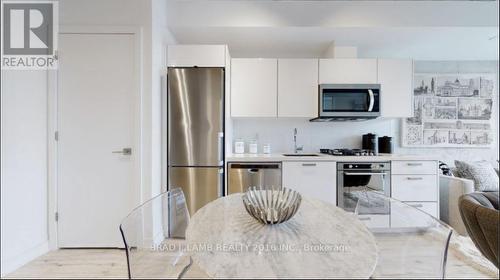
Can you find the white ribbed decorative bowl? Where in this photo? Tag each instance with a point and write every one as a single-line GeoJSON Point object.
{"type": "Point", "coordinates": [271, 205]}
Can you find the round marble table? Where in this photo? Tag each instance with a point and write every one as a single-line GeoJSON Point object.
{"type": "Point", "coordinates": [320, 241]}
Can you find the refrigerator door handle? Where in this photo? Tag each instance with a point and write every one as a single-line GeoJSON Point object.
{"type": "Point", "coordinates": [220, 144]}
{"type": "Point", "coordinates": [221, 182]}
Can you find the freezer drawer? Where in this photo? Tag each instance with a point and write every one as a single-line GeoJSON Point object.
{"type": "Point", "coordinates": [201, 185]}
{"type": "Point", "coordinates": [244, 175]}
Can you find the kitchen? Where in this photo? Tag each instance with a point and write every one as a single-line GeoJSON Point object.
{"type": "Point", "coordinates": [165, 124]}
{"type": "Point", "coordinates": [310, 90]}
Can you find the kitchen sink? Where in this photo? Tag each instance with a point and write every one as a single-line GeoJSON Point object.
{"type": "Point", "coordinates": [300, 155]}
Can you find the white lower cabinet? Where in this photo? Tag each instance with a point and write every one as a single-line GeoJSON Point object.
{"type": "Point", "coordinates": [414, 167]}
{"type": "Point", "coordinates": [416, 184]}
{"type": "Point", "coordinates": [428, 207]}
{"type": "Point", "coordinates": [415, 187]}
{"type": "Point", "coordinates": [375, 221]}
{"type": "Point", "coordinates": [403, 216]}
{"type": "Point", "coordinates": [312, 179]}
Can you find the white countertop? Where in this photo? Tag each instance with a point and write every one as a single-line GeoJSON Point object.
{"type": "Point", "coordinates": [322, 157]}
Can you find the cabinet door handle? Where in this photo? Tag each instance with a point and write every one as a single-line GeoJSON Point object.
{"type": "Point", "coordinates": [364, 218]}
{"type": "Point", "coordinates": [414, 178]}
{"type": "Point", "coordinates": [309, 164]}
{"type": "Point", "coordinates": [124, 151]}
{"type": "Point", "coordinates": [416, 205]}
{"type": "Point", "coordinates": [415, 164]}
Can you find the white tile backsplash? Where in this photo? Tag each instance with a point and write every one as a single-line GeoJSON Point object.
{"type": "Point", "coordinates": [312, 135]}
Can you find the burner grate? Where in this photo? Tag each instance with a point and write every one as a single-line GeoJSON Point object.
{"type": "Point", "coordinates": [347, 152]}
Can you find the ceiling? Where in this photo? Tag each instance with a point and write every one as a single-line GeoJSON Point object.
{"type": "Point", "coordinates": [433, 30]}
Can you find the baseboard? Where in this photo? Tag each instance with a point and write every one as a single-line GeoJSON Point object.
{"type": "Point", "coordinates": [16, 262]}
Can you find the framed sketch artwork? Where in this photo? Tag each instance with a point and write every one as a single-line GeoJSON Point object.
{"type": "Point", "coordinates": [451, 111]}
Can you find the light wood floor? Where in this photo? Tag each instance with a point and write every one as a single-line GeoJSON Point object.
{"type": "Point", "coordinates": [111, 263]}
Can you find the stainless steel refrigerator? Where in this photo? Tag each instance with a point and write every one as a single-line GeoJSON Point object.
{"type": "Point", "coordinates": [196, 133]}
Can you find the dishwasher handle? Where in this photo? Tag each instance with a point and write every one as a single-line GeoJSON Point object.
{"type": "Point", "coordinates": [253, 167]}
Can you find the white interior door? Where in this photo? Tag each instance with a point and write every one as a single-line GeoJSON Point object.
{"type": "Point", "coordinates": [97, 98]}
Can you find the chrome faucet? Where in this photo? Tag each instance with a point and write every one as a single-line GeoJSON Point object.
{"type": "Point", "coordinates": [296, 148]}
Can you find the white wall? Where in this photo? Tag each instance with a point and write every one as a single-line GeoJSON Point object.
{"type": "Point", "coordinates": [279, 132]}
{"type": "Point", "coordinates": [24, 167]}
{"type": "Point", "coordinates": [161, 38]}
{"type": "Point", "coordinates": [24, 124]}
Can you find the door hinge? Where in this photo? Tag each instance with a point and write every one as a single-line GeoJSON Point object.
{"type": "Point", "coordinates": [56, 216]}
{"type": "Point", "coordinates": [56, 135]}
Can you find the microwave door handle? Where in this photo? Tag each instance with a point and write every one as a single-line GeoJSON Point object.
{"type": "Point", "coordinates": [372, 100]}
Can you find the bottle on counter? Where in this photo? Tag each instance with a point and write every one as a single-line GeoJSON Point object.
{"type": "Point", "coordinates": [266, 148]}
{"type": "Point", "coordinates": [239, 146]}
{"type": "Point", "coordinates": [253, 147]}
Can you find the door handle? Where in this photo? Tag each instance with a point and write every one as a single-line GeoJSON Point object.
{"type": "Point", "coordinates": [414, 178]}
{"type": "Point", "coordinates": [220, 147]}
{"type": "Point", "coordinates": [416, 205]}
{"type": "Point", "coordinates": [372, 100]}
{"type": "Point", "coordinates": [220, 185]}
{"type": "Point", "coordinates": [124, 151]}
{"type": "Point", "coordinates": [364, 173]}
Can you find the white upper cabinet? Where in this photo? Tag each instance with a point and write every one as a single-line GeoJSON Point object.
{"type": "Point", "coordinates": [396, 78]}
{"type": "Point", "coordinates": [196, 55]}
{"type": "Point", "coordinates": [298, 88]}
{"type": "Point", "coordinates": [254, 90]}
{"type": "Point", "coordinates": [347, 71]}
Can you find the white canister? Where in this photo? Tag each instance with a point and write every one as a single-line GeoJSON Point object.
{"type": "Point", "coordinates": [253, 147]}
{"type": "Point", "coordinates": [266, 148]}
{"type": "Point", "coordinates": [239, 147]}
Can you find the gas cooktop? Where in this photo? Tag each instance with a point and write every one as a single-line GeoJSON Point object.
{"type": "Point", "coordinates": [347, 152]}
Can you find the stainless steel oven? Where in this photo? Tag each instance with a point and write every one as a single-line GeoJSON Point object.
{"type": "Point", "coordinates": [355, 179]}
{"type": "Point", "coordinates": [348, 102]}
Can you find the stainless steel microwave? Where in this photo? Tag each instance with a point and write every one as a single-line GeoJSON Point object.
{"type": "Point", "coordinates": [348, 102]}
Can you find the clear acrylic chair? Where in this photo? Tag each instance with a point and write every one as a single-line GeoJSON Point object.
{"type": "Point", "coordinates": [411, 243]}
{"type": "Point", "coordinates": [154, 235]}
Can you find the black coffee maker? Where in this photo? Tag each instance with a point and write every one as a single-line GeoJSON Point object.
{"type": "Point", "coordinates": [370, 142]}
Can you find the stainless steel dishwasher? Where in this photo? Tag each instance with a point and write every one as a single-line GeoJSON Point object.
{"type": "Point", "coordinates": [247, 174]}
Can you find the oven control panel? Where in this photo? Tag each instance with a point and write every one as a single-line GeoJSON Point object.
{"type": "Point", "coordinates": [372, 166]}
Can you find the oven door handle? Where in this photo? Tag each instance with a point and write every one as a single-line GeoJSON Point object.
{"type": "Point", "coordinates": [372, 100]}
{"type": "Point", "coordinates": [365, 173]}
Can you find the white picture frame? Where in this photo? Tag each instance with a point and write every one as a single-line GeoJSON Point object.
{"type": "Point", "coordinates": [451, 111]}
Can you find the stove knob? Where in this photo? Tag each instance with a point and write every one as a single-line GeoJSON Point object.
{"type": "Point", "coordinates": [350, 165]}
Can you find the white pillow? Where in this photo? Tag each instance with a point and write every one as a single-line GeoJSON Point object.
{"type": "Point", "coordinates": [481, 172]}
